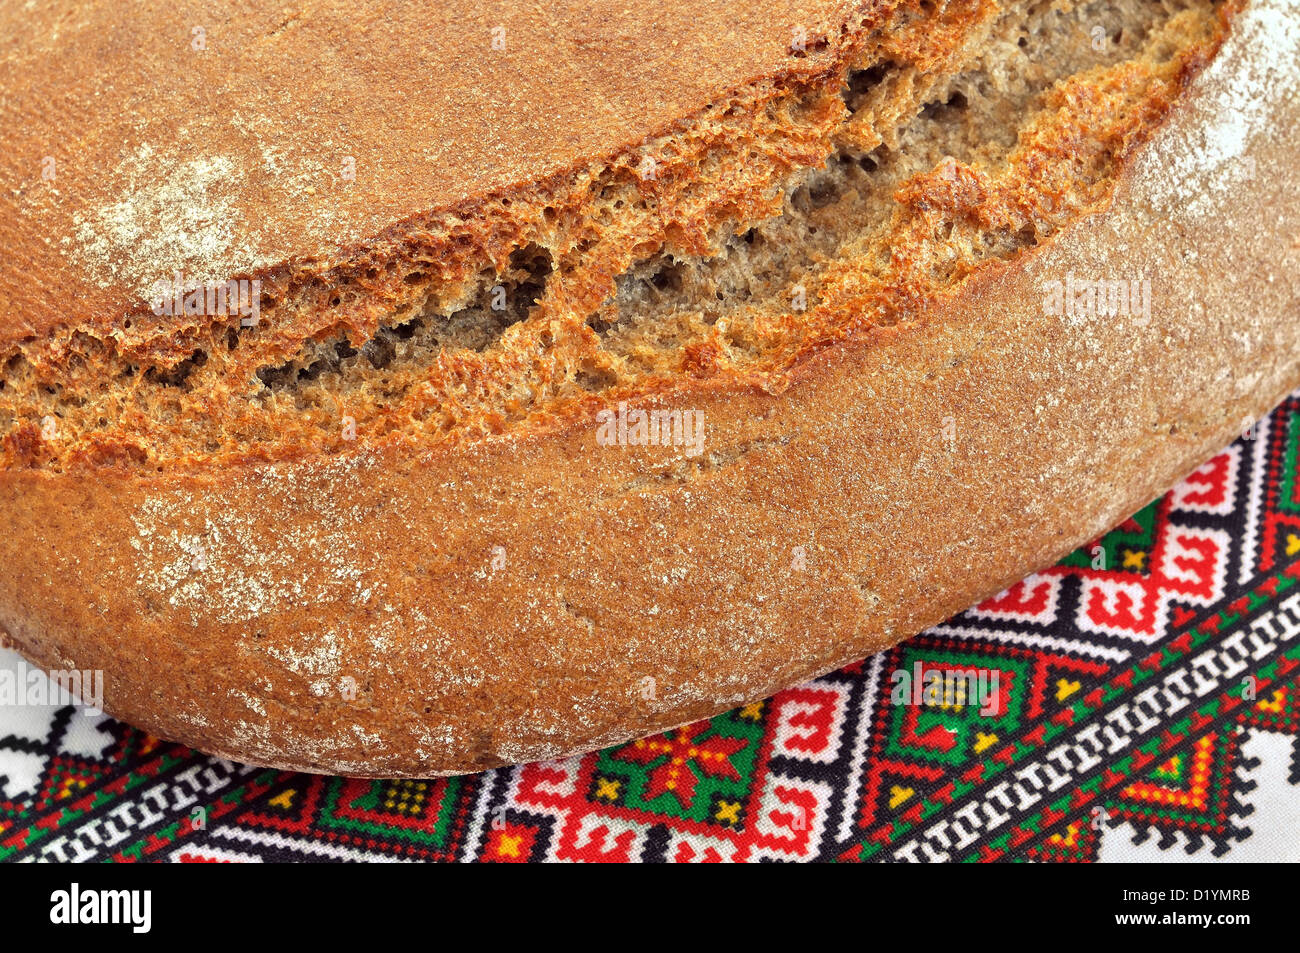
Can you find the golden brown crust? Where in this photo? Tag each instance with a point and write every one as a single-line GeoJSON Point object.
{"type": "Point", "coordinates": [228, 159]}
{"type": "Point", "coordinates": [338, 259]}
{"type": "Point", "coordinates": [146, 391]}
{"type": "Point", "coordinates": [919, 467]}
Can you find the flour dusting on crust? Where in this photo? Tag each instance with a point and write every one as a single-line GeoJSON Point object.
{"type": "Point", "coordinates": [176, 214]}
{"type": "Point", "coordinates": [1258, 65]}
{"type": "Point", "coordinates": [223, 568]}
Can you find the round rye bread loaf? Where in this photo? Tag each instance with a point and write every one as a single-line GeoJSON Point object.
{"type": "Point", "coordinates": [408, 389]}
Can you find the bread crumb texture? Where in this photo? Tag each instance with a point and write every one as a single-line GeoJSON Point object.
{"type": "Point", "coordinates": [874, 159]}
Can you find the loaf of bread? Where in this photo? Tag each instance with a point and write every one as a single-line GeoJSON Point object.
{"type": "Point", "coordinates": [407, 389]}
